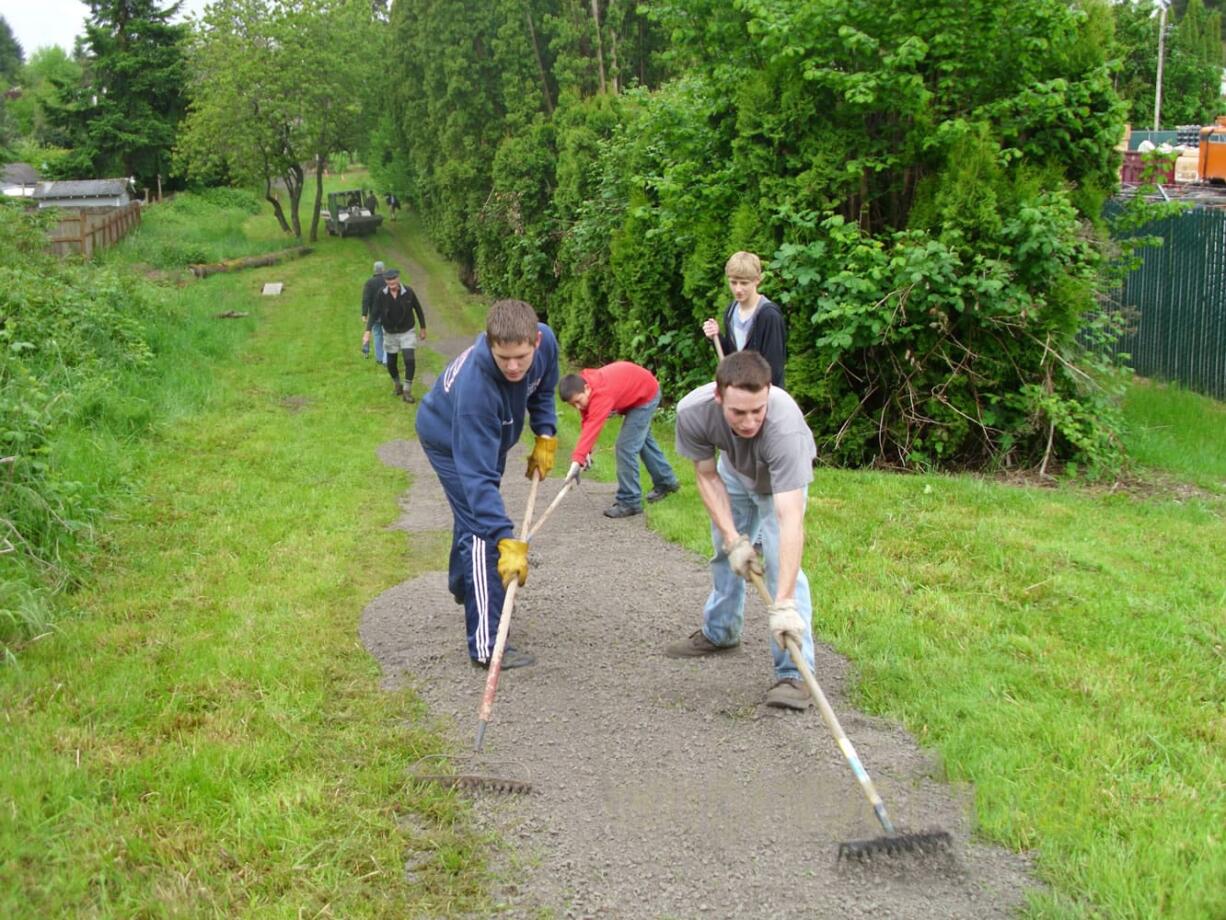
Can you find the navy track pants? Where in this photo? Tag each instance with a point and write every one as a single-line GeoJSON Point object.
{"type": "Point", "coordinates": [472, 573]}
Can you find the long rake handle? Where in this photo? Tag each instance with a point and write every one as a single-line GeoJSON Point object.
{"type": "Point", "coordinates": [831, 720]}
{"type": "Point", "coordinates": [504, 626]}
{"type": "Point", "coordinates": [557, 500]}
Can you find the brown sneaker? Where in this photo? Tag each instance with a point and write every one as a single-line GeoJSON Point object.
{"type": "Point", "coordinates": [408, 395]}
{"type": "Point", "coordinates": [695, 645]}
{"type": "Point", "coordinates": [398, 389]}
{"type": "Point", "coordinates": [789, 693]}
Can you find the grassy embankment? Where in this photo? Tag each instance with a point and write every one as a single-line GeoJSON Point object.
{"type": "Point", "coordinates": [1061, 649]}
{"type": "Point", "coordinates": [206, 735]}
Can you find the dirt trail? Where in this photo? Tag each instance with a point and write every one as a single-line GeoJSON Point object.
{"type": "Point", "coordinates": [664, 788]}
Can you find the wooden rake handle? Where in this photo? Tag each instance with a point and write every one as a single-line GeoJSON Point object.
{"type": "Point", "coordinates": [831, 720]}
{"type": "Point", "coordinates": [504, 626]}
{"type": "Point", "coordinates": [557, 500]}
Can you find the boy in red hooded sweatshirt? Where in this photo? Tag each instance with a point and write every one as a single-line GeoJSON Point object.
{"type": "Point", "coordinates": [633, 392]}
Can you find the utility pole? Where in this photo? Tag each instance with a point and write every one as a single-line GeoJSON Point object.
{"type": "Point", "coordinates": [1164, 6]}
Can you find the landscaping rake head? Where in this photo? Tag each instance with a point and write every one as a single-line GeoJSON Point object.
{"type": "Point", "coordinates": [895, 845]}
{"type": "Point", "coordinates": [508, 777]}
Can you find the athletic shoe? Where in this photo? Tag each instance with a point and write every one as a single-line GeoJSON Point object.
{"type": "Point", "coordinates": [696, 645]}
{"type": "Point", "coordinates": [621, 511]}
{"type": "Point", "coordinates": [511, 658]}
{"type": "Point", "coordinates": [658, 493]}
{"type": "Point", "coordinates": [789, 693]}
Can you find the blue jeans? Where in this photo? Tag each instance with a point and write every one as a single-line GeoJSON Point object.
{"type": "Point", "coordinates": [377, 333]}
{"type": "Point", "coordinates": [724, 615]}
{"type": "Point", "coordinates": [635, 440]}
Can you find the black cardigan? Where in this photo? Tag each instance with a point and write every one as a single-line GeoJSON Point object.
{"type": "Point", "coordinates": [768, 336]}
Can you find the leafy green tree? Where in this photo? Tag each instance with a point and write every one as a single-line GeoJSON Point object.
{"type": "Point", "coordinates": [1192, 68]}
{"type": "Point", "coordinates": [277, 88]}
{"type": "Point", "coordinates": [48, 76]}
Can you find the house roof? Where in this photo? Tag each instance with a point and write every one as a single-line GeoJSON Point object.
{"type": "Point", "coordinates": [18, 174]}
{"type": "Point", "coordinates": [83, 188]}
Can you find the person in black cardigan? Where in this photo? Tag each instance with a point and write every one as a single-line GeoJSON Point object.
{"type": "Point", "coordinates": [752, 322]}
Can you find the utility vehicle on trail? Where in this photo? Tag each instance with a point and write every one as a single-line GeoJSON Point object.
{"type": "Point", "coordinates": [348, 214]}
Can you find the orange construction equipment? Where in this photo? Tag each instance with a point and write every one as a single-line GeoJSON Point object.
{"type": "Point", "coordinates": [1212, 164]}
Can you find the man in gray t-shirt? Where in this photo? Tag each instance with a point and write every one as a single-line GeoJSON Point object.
{"type": "Point", "coordinates": [757, 486]}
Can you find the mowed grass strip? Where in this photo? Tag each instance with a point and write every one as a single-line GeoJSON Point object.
{"type": "Point", "coordinates": [1061, 649]}
{"type": "Point", "coordinates": [208, 737]}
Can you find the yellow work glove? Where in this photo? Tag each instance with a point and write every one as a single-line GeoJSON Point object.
{"type": "Point", "coordinates": [541, 458]}
{"type": "Point", "coordinates": [512, 561]}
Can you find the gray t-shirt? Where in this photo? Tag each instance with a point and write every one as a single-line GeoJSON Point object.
{"type": "Point", "coordinates": [779, 458]}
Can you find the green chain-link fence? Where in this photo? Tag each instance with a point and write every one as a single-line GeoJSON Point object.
{"type": "Point", "coordinates": [1175, 304]}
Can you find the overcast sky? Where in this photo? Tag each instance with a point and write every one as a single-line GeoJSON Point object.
{"type": "Point", "coordinates": [36, 23]}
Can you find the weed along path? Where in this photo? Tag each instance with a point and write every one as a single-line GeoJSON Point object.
{"type": "Point", "coordinates": [662, 788]}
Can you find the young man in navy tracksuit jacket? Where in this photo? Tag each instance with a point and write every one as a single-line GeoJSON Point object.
{"type": "Point", "coordinates": [467, 422]}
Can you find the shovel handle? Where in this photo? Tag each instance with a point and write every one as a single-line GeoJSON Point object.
{"type": "Point", "coordinates": [719, 348]}
{"type": "Point", "coordinates": [831, 720]}
{"type": "Point", "coordinates": [504, 626]}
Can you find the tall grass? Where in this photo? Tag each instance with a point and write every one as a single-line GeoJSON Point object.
{"type": "Point", "coordinates": [207, 736]}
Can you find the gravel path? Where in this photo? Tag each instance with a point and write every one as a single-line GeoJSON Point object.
{"type": "Point", "coordinates": [663, 788]}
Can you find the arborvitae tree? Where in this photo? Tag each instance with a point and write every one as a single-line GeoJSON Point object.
{"type": "Point", "coordinates": [11, 55]}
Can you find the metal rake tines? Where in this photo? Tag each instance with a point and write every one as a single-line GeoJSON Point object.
{"type": "Point", "coordinates": [502, 776]}
{"type": "Point", "coordinates": [899, 844]}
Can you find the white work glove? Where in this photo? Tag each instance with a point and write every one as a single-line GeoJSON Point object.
{"type": "Point", "coordinates": [785, 623]}
{"type": "Point", "coordinates": [577, 467]}
{"type": "Point", "coordinates": [741, 557]}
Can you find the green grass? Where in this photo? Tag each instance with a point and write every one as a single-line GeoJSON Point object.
{"type": "Point", "coordinates": [1062, 650]}
{"type": "Point", "coordinates": [207, 736]}
{"type": "Point", "coordinates": [1173, 429]}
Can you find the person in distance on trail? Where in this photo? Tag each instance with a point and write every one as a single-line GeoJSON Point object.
{"type": "Point", "coordinates": [759, 483]}
{"type": "Point", "coordinates": [751, 321]}
{"type": "Point", "coordinates": [374, 284]}
{"type": "Point", "coordinates": [633, 392]}
{"type": "Point", "coordinates": [370, 201]}
{"type": "Point", "coordinates": [467, 423]}
{"type": "Point", "coordinates": [393, 204]}
{"type": "Point", "coordinates": [398, 311]}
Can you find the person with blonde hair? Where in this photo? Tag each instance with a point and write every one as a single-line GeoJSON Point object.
{"type": "Point", "coordinates": [751, 322]}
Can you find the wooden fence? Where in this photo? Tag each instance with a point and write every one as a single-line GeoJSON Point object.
{"type": "Point", "coordinates": [86, 231]}
{"type": "Point", "coordinates": [1176, 304]}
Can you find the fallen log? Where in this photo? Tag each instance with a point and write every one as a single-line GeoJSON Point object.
{"type": "Point", "coordinates": [234, 265]}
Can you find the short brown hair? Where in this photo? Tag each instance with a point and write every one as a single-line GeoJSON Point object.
{"type": "Point", "coordinates": [570, 386]}
{"type": "Point", "coordinates": [745, 370]}
{"type": "Point", "coordinates": [510, 322]}
{"type": "Point", "coordinates": [743, 265]}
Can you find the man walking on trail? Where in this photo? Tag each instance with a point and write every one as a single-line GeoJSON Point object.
{"type": "Point", "coordinates": [759, 484]}
{"type": "Point", "coordinates": [468, 422]}
{"type": "Point", "coordinates": [374, 284]}
{"type": "Point", "coordinates": [633, 392]}
{"type": "Point", "coordinates": [398, 310]}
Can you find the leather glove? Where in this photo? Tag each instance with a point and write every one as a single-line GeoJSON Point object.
{"type": "Point", "coordinates": [541, 458]}
{"type": "Point", "coordinates": [785, 623]}
{"type": "Point", "coordinates": [512, 561]}
{"type": "Point", "coordinates": [741, 557]}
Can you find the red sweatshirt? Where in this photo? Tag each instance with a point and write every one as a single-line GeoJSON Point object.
{"type": "Point", "coordinates": [616, 387]}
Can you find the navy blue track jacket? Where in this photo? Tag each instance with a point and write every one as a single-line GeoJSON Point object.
{"type": "Point", "coordinates": [474, 413]}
